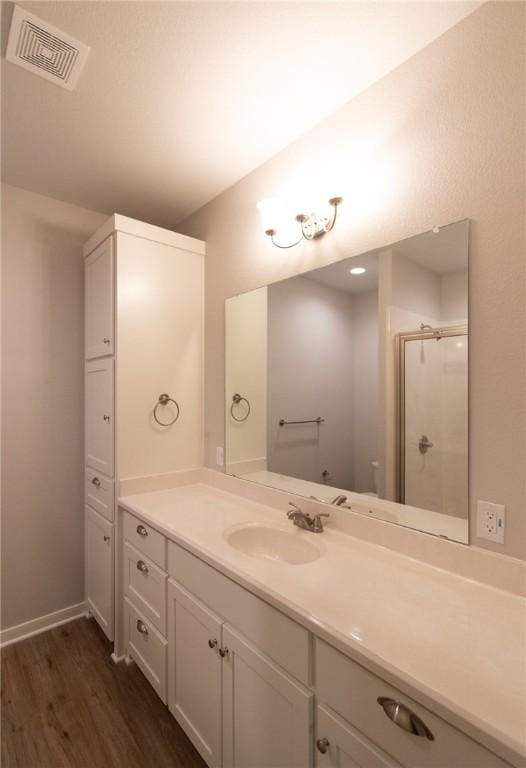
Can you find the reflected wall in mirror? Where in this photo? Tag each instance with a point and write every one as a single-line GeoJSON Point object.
{"type": "Point", "coordinates": [349, 383]}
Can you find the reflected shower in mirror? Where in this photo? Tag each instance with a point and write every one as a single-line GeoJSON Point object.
{"type": "Point", "coordinates": [349, 383]}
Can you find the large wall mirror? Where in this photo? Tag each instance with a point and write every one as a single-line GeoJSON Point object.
{"type": "Point", "coordinates": [349, 383]}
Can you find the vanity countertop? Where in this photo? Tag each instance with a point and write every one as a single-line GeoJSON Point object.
{"type": "Point", "coordinates": [442, 638]}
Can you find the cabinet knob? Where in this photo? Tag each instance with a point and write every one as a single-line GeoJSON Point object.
{"type": "Point", "coordinates": [106, 340]}
{"type": "Point", "coordinates": [404, 718]}
{"type": "Point", "coordinates": [106, 538]}
{"type": "Point", "coordinates": [223, 652]}
{"type": "Point", "coordinates": [141, 530]}
{"type": "Point", "coordinates": [141, 627]}
{"type": "Point", "coordinates": [142, 567]}
{"type": "Point", "coordinates": [322, 745]}
{"type": "Point", "coordinates": [96, 482]}
{"type": "Point", "coordinates": [106, 418]}
{"type": "Point", "coordinates": [212, 643]}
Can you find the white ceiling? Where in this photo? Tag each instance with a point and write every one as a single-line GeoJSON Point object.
{"type": "Point", "coordinates": [179, 100]}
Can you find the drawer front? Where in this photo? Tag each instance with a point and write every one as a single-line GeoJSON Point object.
{"type": "Point", "coordinates": [271, 631]}
{"type": "Point", "coordinates": [147, 647]}
{"type": "Point", "coordinates": [145, 586]}
{"type": "Point", "coordinates": [98, 491]}
{"type": "Point", "coordinates": [146, 539]}
{"type": "Point", "coordinates": [353, 693]}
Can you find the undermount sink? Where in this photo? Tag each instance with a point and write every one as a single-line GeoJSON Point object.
{"type": "Point", "coordinates": [267, 542]}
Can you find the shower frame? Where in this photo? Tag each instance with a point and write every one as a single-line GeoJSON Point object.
{"type": "Point", "coordinates": [400, 341]}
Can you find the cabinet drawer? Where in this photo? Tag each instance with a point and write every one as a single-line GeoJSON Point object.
{"type": "Point", "coordinates": [353, 693]}
{"type": "Point", "coordinates": [146, 647]}
{"type": "Point", "coordinates": [98, 491]}
{"type": "Point", "coordinates": [271, 631]}
{"type": "Point", "coordinates": [146, 539]}
{"type": "Point", "coordinates": [145, 586]}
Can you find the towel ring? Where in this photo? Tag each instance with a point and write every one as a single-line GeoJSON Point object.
{"type": "Point", "coordinates": [164, 400]}
{"type": "Point", "coordinates": [236, 399]}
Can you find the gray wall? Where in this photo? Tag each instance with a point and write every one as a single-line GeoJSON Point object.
{"type": "Point", "coordinates": [42, 403]}
{"type": "Point", "coordinates": [310, 375]}
{"type": "Point", "coordinates": [439, 139]}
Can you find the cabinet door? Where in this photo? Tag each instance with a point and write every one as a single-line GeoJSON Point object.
{"type": "Point", "coordinates": [99, 416]}
{"type": "Point", "coordinates": [338, 745]}
{"type": "Point", "coordinates": [267, 716]}
{"type": "Point", "coordinates": [99, 301]}
{"type": "Point", "coordinates": [194, 671]}
{"type": "Point", "coordinates": [99, 569]}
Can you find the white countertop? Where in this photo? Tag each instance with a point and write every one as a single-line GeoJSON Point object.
{"type": "Point", "coordinates": [446, 638]}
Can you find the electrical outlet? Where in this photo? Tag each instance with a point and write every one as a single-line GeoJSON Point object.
{"type": "Point", "coordinates": [490, 521]}
{"type": "Point", "coordinates": [220, 456]}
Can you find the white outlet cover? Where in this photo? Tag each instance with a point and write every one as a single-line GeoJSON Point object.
{"type": "Point", "coordinates": [490, 521]}
{"type": "Point", "coordinates": [220, 456]}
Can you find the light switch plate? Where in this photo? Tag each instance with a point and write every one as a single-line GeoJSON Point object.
{"type": "Point", "coordinates": [490, 521]}
{"type": "Point", "coordinates": [220, 456]}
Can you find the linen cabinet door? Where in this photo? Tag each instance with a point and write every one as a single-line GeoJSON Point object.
{"type": "Point", "coordinates": [99, 569]}
{"type": "Point", "coordinates": [99, 301]}
{"type": "Point", "coordinates": [338, 745]}
{"type": "Point", "coordinates": [267, 716]}
{"type": "Point", "coordinates": [100, 416]}
{"type": "Point", "coordinates": [194, 671]}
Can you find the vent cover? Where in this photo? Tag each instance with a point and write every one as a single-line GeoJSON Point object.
{"type": "Point", "coordinates": [44, 50]}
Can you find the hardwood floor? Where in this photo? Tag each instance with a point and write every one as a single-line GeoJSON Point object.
{"type": "Point", "coordinates": [66, 705]}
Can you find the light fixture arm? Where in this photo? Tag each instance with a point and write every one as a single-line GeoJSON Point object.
{"type": "Point", "coordinates": [311, 226]}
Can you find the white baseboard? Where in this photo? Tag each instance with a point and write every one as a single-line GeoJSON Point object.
{"type": "Point", "coordinates": [42, 624]}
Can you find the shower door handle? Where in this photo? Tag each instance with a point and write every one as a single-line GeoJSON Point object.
{"type": "Point", "coordinates": [424, 443]}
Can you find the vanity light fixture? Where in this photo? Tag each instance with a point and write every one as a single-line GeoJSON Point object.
{"type": "Point", "coordinates": [358, 271]}
{"type": "Point", "coordinates": [311, 225]}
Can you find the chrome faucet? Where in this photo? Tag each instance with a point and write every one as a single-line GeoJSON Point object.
{"type": "Point", "coordinates": [304, 520]}
{"type": "Point", "coordinates": [339, 500]}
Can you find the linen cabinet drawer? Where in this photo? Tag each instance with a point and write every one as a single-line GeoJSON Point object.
{"type": "Point", "coordinates": [146, 539]}
{"type": "Point", "coordinates": [271, 631]}
{"type": "Point", "coordinates": [145, 586]}
{"type": "Point", "coordinates": [146, 647]}
{"type": "Point", "coordinates": [360, 697]}
{"type": "Point", "coordinates": [98, 493]}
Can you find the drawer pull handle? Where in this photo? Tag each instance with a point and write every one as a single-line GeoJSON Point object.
{"type": "Point", "coordinates": [106, 538]}
{"type": "Point", "coordinates": [106, 418]}
{"type": "Point", "coordinates": [142, 567]}
{"type": "Point", "coordinates": [106, 340]}
{"type": "Point", "coordinates": [96, 482]}
{"type": "Point", "coordinates": [223, 652]}
{"type": "Point", "coordinates": [212, 643]}
{"type": "Point", "coordinates": [404, 718]}
{"type": "Point", "coordinates": [322, 745]}
{"type": "Point", "coordinates": [141, 530]}
{"type": "Point", "coordinates": [141, 627]}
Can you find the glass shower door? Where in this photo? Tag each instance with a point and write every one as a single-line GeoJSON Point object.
{"type": "Point", "coordinates": [434, 445]}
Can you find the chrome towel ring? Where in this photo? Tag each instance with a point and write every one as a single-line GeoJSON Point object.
{"type": "Point", "coordinates": [236, 399]}
{"type": "Point", "coordinates": [164, 400]}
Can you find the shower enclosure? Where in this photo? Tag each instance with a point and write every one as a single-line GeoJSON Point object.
{"type": "Point", "coordinates": [432, 439]}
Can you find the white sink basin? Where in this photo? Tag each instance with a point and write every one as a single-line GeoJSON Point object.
{"type": "Point", "coordinates": [267, 542]}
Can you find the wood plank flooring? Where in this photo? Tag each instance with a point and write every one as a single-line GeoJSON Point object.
{"type": "Point", "coordinates": [66, 705]}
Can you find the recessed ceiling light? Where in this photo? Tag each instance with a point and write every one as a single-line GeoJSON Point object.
{"type": "Point", "coordinates": [357, 270]}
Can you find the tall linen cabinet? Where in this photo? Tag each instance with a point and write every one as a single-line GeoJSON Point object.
{"type": "Point", "coordinates": [144, 331]}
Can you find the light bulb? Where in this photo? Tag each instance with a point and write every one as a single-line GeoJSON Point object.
{"type": "Point", "coordinates": [357, 270]}
{"type": "Point", "coordinates": [271, 212]}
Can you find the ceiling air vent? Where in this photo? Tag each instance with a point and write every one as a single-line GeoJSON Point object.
{"type": "Point", "coordinates": [44, 50]}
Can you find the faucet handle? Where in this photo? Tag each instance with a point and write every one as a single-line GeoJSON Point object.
{"type": "Point", "coordinates": [294, 509]}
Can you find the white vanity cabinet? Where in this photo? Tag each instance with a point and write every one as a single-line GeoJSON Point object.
{"type": "Point", "coordinates": [339, 745]}
{"type": "Point", "coordinates": [194, 671]}
{"type": "Point", "coordinates": [267, 715]}
{"type": "Point", "coordinates": [252, 688]}
{"type": "Point", "coordinates": [99, 569]}
{"type": "Point", "coordinates": [143, 341]}
{"type": "Point", "coordinates": [99, 301]}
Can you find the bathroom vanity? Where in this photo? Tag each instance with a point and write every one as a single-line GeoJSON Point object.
{"type": "Point", "coordinates": [275, 646]}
